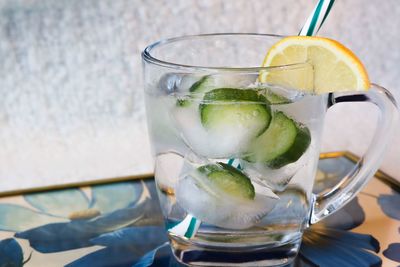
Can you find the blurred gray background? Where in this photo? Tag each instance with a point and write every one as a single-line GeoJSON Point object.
{"type": "Point", "coordinates": [71, 104]}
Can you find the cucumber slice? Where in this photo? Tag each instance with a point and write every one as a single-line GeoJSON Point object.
{"type": "Point", "coordinates": [229, 179]}
{"type": "Point", "coordinates": [275, 99]}
{"type": "Point", "coordinates": [282, 143]}
{"type": "Point", "coordinates": [210, 82]}
{"type": "Point", "coordinates": [205, 84]}
{"type": "Point", "coordinates": [272, 97]}
{"type": "Point", "coordinates": [241, 112]}
{"type": "Point", "coordinates": [222, 80]}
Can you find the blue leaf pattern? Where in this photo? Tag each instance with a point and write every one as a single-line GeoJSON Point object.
{"type": "Point", "coordinates": [76, 234]}
{"type": "Point", "coordinates": [153, 235]}
{"type": "Point", "coordinates": [348, 239]}
{"type": "Point", "coordinates": [330, 172]}
{"type": "Point", "coordinates": [337, 254]}
{"type": "Point", "coordinates": [10, 253]}
{"type": "Point", "coordinates": [111, 197]}
{"type": "Point", "coordinates": [393, 252]}
{"type": "Point", "coordinates": [17, 218]}
{"type": "Point", "coordinates": [59, 202]}
{"type": "Point", "coordinates": [390, 204]}
{"type": "Point", "coordinates": [107, 257]}
{"type": "Point", "coordinates": [348, 217]}
{"type": "Point", "coordinates": [57, 237]}
{"type": "Point", "coordinates": [159, 257]}
{"type": "Point", "coordinates": [330, 244]}
{"type": "Point", "coordinates": [149, 258]}
{"type": "Point", "coordinates": [123, 247]}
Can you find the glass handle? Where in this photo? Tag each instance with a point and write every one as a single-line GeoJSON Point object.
{"type": "Point", "coordinates": [327, 203]}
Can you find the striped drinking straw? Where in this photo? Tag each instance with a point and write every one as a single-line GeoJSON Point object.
{"type": "Point", "coordinates": [317, 18]}
{"type": "Point", "coordinates": [189, 226]}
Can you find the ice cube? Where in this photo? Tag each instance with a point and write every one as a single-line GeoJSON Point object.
{"type": "Point", "coordinates": [303, 109]}
{"type": "Point", "coordinates": [163, 132]}
{"type": "Point", "coordinates": [187, 81]}
{"type": "Point", "coordinates": [168, 167]}
{"type": "Point", "coordinates": [175, 82]}
{"type": "Point", "coordinates": [235, 80]}
{"type": "Point", "coordinates": [288, 93]}
{"type": "Point", "coordinates": [224, 143]}
{"type": "Point", "coordinates": [168, 83]}
{"type": "Point", "coordinates": [292, 207]}
{"type": "Point", "coordinates": [277, 179]}
{"type": "Point", "coordinates": [211, 205]}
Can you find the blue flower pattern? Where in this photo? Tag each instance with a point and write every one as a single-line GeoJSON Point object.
{"type": "Point", "coordinates": [124, 220]}
{"type": "Point", "coordinates": [331, 244]}
{"type": "Point", "coordinates": [123, 247]}
{"type": "Point", "coordinates": [68, 219]}
{"type": "Point", "coordinates": [390, 205]}
{"type": "Point", "coordinates": [11, 254]}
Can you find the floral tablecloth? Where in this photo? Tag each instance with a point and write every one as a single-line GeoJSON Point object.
{"type": "Point", "coordinates": [120, 224]}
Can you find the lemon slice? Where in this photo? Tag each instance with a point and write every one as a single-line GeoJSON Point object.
{"type": "Point", "coordinates": [336, 68]}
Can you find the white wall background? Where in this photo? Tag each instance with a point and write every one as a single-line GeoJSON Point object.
{"type": "Point", "coordinates": [71, 102]}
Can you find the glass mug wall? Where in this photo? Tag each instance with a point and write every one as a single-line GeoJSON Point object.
{"type": "Point", "coordinates": [235, 159]}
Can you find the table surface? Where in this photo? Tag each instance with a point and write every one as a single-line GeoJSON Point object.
{"type": "Point", "coordinates": [120, 224]}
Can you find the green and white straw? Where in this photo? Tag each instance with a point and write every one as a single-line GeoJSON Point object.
{"type": "Point", "coordinates": [317, 18]}
{"type": "Point", "coordinates": [189, 226]}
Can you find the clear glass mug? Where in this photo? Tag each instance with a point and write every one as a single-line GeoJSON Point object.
{"type": "Point", "coordinates": [235, 159]}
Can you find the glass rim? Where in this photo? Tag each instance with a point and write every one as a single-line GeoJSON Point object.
{"type": "Point", "coordinates": [148, 58]}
